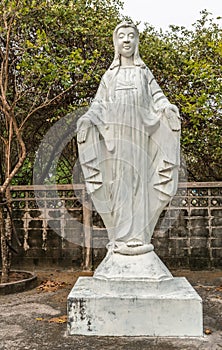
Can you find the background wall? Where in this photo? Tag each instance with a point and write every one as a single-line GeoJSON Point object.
{"type": "Point", "coordinates": [187, 235]}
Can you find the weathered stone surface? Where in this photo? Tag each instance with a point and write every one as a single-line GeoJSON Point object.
{"type": "Point", "coordinates": [217, 212]}
{"type": "Point", "coordinates": [217, 221]}
{"type": "Point", "coordinates": [143, 267]}
{"type": "Point", "coordinates": [134, 308]}
{"type": "Point", "coordinates": [134, 296]}
{"type": "Point", "coordinates": [181, 226]}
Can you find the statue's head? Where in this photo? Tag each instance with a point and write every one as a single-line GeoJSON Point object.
{"type": "Point", "coordinates": [130, 29]}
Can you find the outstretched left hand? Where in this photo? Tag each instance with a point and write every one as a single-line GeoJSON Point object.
{"type": "Point", "coordinates": [172, 108]}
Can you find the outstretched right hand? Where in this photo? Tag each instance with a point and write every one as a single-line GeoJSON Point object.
{"type": "Point", "coordinates": [82, 131]}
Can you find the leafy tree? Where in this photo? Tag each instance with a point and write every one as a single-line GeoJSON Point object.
{"type": "Point", "coordinates": [52, 54]}
{"type": "Point", "coordinates": [188, 65]}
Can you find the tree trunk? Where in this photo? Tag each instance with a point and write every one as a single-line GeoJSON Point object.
{"type": "Point", "coordinates": [6, 237]}
{"type": "Point", "coordinates": [4, 248]}
{"type": "Point", "coordinates": [87, 226]}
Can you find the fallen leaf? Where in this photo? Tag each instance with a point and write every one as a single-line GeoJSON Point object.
{"type": "Point", "coordinates": [50, 286]}
{"type": "Point", "coordinates": [60, 319]}
{"type": "Point", "coordinates": [39, 319]}
{"type": "Point", "coordinates": [207, 331]}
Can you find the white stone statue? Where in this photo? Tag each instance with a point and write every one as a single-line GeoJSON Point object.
{"type": "Point", "coordinates": [129, 148]}
{"type": "Point", "coordinates": [129, 152]}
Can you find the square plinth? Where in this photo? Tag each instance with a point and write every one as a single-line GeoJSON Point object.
{"type": "Point", "coordinates": [168, 308]}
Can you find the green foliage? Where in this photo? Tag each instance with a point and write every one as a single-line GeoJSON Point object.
{"type": "Point", "coordinates": [188, 65]}
{"type": "Point", "coordinates": [56, 44]}
{"type": "Point", "coordinates": [57, 52]}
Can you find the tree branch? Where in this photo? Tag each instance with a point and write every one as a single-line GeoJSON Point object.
{"type": "Point", "coordinates": [3, 139]}
{"type": "Point", "coordinates": [47, 103]}
{"type": "Point", "coordinates": [21, 156]}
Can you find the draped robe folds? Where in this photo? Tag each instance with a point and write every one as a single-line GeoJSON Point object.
{"type": "Point", "coordinates": [130, 157]}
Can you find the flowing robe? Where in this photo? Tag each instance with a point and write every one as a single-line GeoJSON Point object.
{"type": "Point", "coordinates": [130, 157]}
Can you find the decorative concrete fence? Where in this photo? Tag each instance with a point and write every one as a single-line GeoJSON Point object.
{"type": "Point", "coordinates": [57, 225]}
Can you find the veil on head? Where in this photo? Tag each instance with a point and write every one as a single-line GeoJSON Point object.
{"type": "Point", "coordinates": [136, 56]}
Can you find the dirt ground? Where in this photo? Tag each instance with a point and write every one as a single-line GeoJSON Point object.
{"type": "Point", "coordinates": [36, 319]}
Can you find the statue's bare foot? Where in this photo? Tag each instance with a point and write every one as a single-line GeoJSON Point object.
{"type": "Point", "coordinates": [134, 243]}
{"type": "Point", "coordinates": [133, 247]}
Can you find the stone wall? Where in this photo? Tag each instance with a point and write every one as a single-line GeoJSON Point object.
{"type": "Point", "coordinates": [195, 238]}
{"type": "Point", "coordinates": [49, 224]}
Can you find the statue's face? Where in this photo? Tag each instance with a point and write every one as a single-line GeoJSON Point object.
{"type": "Point", "coordinates": [126, 41]}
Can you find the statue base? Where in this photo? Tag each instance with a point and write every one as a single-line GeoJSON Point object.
{"type": "Point", "coordinates": [134, 296]}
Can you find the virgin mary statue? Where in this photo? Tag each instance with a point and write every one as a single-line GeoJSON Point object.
{"type": "Point", "coordinates": [129, 147]}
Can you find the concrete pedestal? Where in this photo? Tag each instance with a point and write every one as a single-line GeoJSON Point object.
{"type": "Point", "coordinates": [148, 304]}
